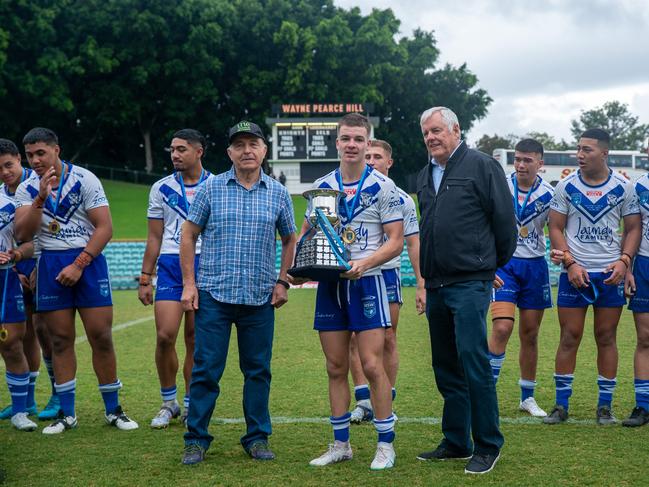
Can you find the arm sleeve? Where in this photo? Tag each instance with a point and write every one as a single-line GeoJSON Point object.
{"type": "Point", "coordinates": [410, 223]}
{"type": "Point", "coordinates": [155, 210]}
{"type": "Point", "coordinates": [559, 201]}
{"type": "Point", "coordinates": [286, 220]}
{"type": "Point", "coordinates": [93, 192]}
{"type": "Point", "coordinates": [199, 212]}
{"type": "Point", "coordinates": [630, 205]}
{"type": "Point", "coordinates": [503, 221]}
{"type": "Point", "coordinates": [23, 196]}
{"type": "Point", "coordinates": [390, 206]}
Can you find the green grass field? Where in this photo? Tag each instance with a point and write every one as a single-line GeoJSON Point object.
{"type": "Point", "coordinates": [128, 206]}
{"type": "Point", "coordinates": [578, 453]}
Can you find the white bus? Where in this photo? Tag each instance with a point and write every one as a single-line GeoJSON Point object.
{"type": "Point", "coordinates": [559, 163]}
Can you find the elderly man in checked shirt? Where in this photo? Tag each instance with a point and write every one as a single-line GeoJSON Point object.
{"type": "Point", "coordinates": [237, 214]}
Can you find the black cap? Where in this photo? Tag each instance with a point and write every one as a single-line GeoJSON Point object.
{"type": "Point", "coordinates": [245, 127]}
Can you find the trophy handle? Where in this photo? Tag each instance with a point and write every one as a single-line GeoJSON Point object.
{"type": "Point", "coordinates": [336, 244]}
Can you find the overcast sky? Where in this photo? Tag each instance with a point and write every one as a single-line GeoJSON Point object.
{"type": "Point", "coordinates": [542, 61]}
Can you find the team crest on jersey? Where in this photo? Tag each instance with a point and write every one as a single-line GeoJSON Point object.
{"type": "Point", "coordinates": [5, 217]}
{"type": "Point", "coordinates": [538, 206]}
{"type": "Point", "coordinates": [644, 197]}
{"type": "Point", "coordinates": [611, 199]}
{"type": "Point", "coordinates": [575, 198]}
{"type": "Point", "coordinates": [369, 307]}
{"type": "Point", "coordinates": [74, 199]}
{"type": "Point", "coordinates": [366, 200]}
{"type": "Point", "coordinates": [173, 200]}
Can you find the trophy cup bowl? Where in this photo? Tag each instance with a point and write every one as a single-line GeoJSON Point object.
{"type": "Point", "coordinates": [315, 258]}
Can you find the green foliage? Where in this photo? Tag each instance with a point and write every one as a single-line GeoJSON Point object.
{"type": "Point", "coordinates": [488, 143]}
{"type": "Point", "coordinates": [578, 453]}
{"type": "Point", "coordinates": [115, 78]}
{"type": "Point", "coordinates": [614, 117]}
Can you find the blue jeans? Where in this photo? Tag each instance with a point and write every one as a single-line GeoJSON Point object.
{"type": "Point", "coordinates": [458, 336]}
{"type": "Point", "coordinates": [213, 324]}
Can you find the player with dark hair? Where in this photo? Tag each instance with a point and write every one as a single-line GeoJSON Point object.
{"type": "Point", "coordinates": [586, 211]}
{"type": "Point", "coordinates": [11, 175]}
{"type": "Point", "coordinates": [169, 202]}
{"type": "Point", "coordinates": [12, 317]}
{"type": "Point", "coordinates": [66, 206]}
{"type": "Point", "coordinates": [524, 281]}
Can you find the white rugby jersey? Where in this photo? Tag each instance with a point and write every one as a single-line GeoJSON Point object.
{"type": "Point", "coordinates": [378, 204]}
{"type": "Point", "coordinates": [641, 187]}
{"type": "Point", "coordinates": [593, 217]}
{"type": "Point", "coordinates": [166, 203]}
{"type": "Point", "coordinates": [81, 192]}
{"type": "Point", "coordinates": [531, 243]}
{"type": "Point", "coordinates": [12, 196]}
{"type": "Point", "coordinates": [410, 225]}
{"type": "Point", "coordinates": [7, 215]}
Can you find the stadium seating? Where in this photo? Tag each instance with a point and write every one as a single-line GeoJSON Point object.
{"type": "Point", "coordinates": [125, 260]}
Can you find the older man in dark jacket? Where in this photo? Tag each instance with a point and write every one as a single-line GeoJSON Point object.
{"type": "Point", "coordinates": [467, 231]}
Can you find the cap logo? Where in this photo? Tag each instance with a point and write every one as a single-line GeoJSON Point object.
{"type": "Point", "coordinates": [243, 126]}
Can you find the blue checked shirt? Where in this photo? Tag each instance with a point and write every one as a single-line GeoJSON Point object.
{"type": "Point", "coordinates": [237, 263]}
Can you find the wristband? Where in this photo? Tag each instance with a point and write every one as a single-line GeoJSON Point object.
{"type": "Point", "coordinates": [567, 266]}
{"type": "Point", "coordinates": [145, 284]}
{"type": "Point", "coordinates": [89, 254]}
{"type": "Point", "coordinates": [146, 273]}
{"type": "Point", "coordinates": [82, 261]}
{"type": "Point", "coordinates": [38, 201]}
{"type": "Point", "coordinates": [625, 264]}
{"type": "Point", "coordinates": [284, 283]}
{"type": "Point", "coordinates": [18, 255]}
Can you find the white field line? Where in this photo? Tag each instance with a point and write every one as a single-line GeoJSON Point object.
{"type": "Point", "coordinates": [405, 420]}
{"type": "Point", "coordinates": [292, 420]}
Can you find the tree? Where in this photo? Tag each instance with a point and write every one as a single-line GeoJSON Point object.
{"type": "Point", "coordinates": [487, 143]}
{"type": "Point", "coordinates": [615, 118]}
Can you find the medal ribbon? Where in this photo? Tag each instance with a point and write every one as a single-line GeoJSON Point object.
{"type": "Point", "coordinates": [64, 177]}
{"type": "Point", "coordinates": [182, 187]}
{"type": "Point", "coordinates": [519, 212]}
{"type": "Point", "coordinates": [589, 299]}
{"type": "Point", "coordinates": [350, 207]}
{"type": "Point", "coordinates": [337, 246]}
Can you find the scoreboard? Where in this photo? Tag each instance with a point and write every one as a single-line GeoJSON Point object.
{"type": "Point", "coordinates": [305, 141]}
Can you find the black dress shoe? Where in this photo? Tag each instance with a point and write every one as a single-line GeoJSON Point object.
{"type": "Point", "coordinates": [443, 453]}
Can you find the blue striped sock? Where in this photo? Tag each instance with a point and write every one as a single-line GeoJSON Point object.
{"type": "Point", "coordinates": [527, 388]}
{"type": "Point", "coordinates": [109, 395]}
{"type": "Point", "coordinates": [50, 372]}
{"type": "Point", "coordinates": [31, 389]}
{"type": "Point", "coordinates": [168, 393]}
{"type": "Point", "coordinates": [563, 388]}
{"type": "Point", "coordinates": [496, 362]}
{"type": "Point", "coordinates": [641, 393]}
{"type": "Point", "coordinates": [341, 426]}
{"type": "Point", "coordinates": [67, 393]}
{"type": "Point", "coordinates": [186, 401]}
{"type": "Point", "coordinates": [385, 429]}
{"type": "Point", "coordinates": [361, 392]}
{"type": "Point", "coordinates": [18, 385]}
{"type": "Point", "coordinates": [606, 388]}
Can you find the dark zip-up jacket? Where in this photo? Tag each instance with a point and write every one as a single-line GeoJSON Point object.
{"type": "Point", "coordinates": [468, 228]}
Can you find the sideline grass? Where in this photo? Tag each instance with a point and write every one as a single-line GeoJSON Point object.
{"type": "Point", "coordinates": [129, 202]}
{"type": "Point", "coordinates": [97, 455]}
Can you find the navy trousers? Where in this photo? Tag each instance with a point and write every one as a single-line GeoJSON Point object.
{"type": "Point", "coordinates": [213, 324]}
{"type": "Point", "coordinates": [458, 336]}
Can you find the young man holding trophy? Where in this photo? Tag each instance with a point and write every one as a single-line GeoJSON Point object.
{"type": "Point", "coordinates": [356, 300]}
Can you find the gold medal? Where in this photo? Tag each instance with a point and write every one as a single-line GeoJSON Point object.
{"type": "Point", "coordinates": [4, 333]}
{"type": "Point", "coordinates": [349, 235]}
{"type": "Point", "coordinates": [54, 227]}
{"type": "Point", "coordinates": [524, 232]}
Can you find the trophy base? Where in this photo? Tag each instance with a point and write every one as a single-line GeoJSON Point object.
{"type": "Point", "coordinates": [318, 272]}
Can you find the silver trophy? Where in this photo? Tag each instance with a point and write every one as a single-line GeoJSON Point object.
{"type": "Point", "coordinates": [321, 255]}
